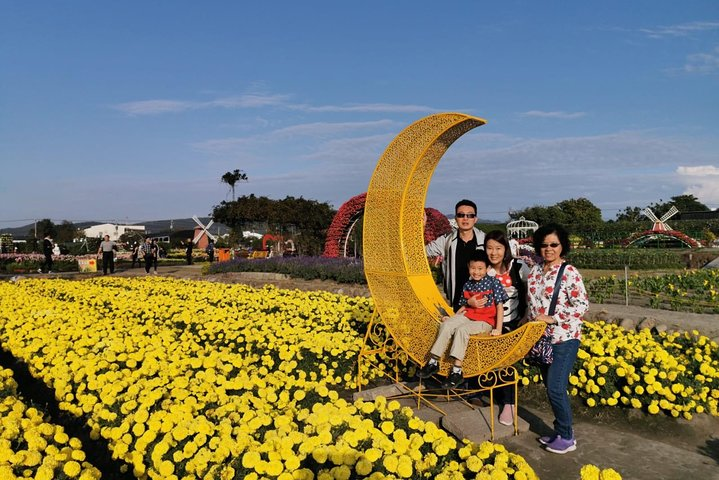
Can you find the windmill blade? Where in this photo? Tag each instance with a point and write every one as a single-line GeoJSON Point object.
{"type": "Point", "coordinates": [207, 228]}
{"type": "Point", "coordinates": [672, 211]}
{"type": "Point", "coordinates": [650, 215]}
{"type": "Point", "coordinates": [197, 221]}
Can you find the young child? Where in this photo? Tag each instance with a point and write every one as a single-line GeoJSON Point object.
{"type": "Point", "coordinates": [468, 321]}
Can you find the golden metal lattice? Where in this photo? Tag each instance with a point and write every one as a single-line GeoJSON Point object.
{"type": "Point", "coordinates": [396, 267]}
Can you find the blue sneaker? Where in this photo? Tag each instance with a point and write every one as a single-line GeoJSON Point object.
{"type": "Point", "coordinates": [548, 439]}
{"type": "Point", "coordinates": [562, 445]}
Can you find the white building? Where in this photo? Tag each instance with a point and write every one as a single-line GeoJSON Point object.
{"type": "Point", "coordinates": [115, 231]}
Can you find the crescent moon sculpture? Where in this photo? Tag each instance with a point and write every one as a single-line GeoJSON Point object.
{"type": "Point", "coordinates": [398, 274]}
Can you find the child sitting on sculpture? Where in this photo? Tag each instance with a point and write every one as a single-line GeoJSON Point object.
{"type": "Point", "coordinates": [456, 329]}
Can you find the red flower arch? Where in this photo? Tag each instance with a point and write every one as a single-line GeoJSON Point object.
{"type": "Point", "coordinates": [682, 237]}
{"type": "Point", "coordinates": [351, 211]}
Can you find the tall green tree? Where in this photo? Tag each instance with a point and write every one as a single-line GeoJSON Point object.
{"type": "Point", "coordinates": [577, 214]}
{"type": "Point", "coordinates": [684, 203]}
{"type": "Point", "coordinates": [67, 232]}
{"type": "Point", "coordinates": [43, 227]}
{"type": "Point", "coordinates": [305, 220]}
{"type": "Point", "coordinates": [231, 179]}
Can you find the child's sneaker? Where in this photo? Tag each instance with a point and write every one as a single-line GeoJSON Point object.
{"type": "Point", "coordinates": [561, 445]}
{"type": "Point", "coordinates": [429, 369]}
{"type": "Point", "coordinates": [454, 379]}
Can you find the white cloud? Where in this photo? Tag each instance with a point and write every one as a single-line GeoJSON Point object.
{"type": "Point", "coordinates": [559, 114]}
{"type": "Point", "coordinates": [680, 30]}
{"type": "Point", "coordinates": [322, 129]}
{"type": "Point", "coordinates": [156, 107]}
{"type": "Point", "coordinates": [161, 106]}
{"type": "Point", "coordinates": [369, 107]}
{"type": "Point", "coordinates": [703, 62]}
{"type": "Point", "coordinates": [702, 181]}
{"type": "Point", "coordinates": [305, 130]}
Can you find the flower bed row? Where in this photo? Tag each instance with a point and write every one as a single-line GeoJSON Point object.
{"type": "Point", "coordinates": [197, 380]}
{"type": "Point", "coordinates": [31, 447]}
{"type": "Point", "coordinates": [695, 291]}
{"type": "Point", "coordinates": [184, 378]}
{"type": "Point", "coordinates": [339, 269]}
{"type": "Point", "coordinates": [675, 374]}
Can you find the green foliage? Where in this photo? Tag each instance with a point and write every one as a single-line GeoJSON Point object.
{"type": "Point", "coordinates": [340, 270]}
{"type": "Point", "coordinates": [579, 213]}
{"type": "Point", "coordinates": [636, 258]}
{"type": "Point", "coordinates": [231, 179]}
{"type": "Point", "coordinates": [306, 221]}
{"type": "Point", "coordinates": [684, 203]}
{"type": "Point", "coordinates": [696, 291]}
{"type": "Point", "coordinates": [43, 227]}
{"type": "Point", "coordinates": [67, 232]}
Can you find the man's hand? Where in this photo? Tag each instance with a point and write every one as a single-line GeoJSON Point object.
{"type": "Point", "coordinates": [496, 332]}
{"type": "Point", "coordinates": [477, 301]}
{"type": "Point", "coordinates": [445, 318]}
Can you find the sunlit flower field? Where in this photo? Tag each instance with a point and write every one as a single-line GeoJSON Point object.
{"type": "Point", "coordinates": [191, 379]}
{"type": "Point", "coordinates": [201, 380]}
{"type": "Point", "coordinates": [32, 447]}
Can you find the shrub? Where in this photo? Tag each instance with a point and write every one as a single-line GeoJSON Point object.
{"type": "Point", "coordinates": [341, 270]}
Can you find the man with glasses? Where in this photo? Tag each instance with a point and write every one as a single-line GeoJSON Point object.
{"type": "Point", "coordinates": [456, 248]}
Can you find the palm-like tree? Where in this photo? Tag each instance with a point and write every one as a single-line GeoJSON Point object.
{"type": "Point", "coordinates": [231, 178]}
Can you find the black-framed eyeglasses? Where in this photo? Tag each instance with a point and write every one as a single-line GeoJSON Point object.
{"type": "Point", "coordinates": [466, 215]}
{"type": "Point", "coordinates": [553, 245]}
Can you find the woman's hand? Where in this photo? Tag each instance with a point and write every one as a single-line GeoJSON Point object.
{"type": "Point", "coordinates": [445, 318]}
{"type": "Point", "coordinates": [496, 332]}
{"type": "Point", "coordinates": [546, 319]}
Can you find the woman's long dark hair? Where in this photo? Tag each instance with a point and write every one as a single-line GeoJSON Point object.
{"type": "Point", "coordinates": [500, 237]}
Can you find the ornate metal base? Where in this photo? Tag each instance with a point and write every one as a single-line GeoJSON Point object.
{"type": "Point", "coordinates": [378, 342]}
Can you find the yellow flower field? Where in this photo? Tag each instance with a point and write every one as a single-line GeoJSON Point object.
{"type": "Point", "coordinates": [30, 447]}
{"type": "Point", "coordinates": [200, 380]}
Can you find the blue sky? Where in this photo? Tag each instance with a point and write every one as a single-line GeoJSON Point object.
{"type": "Point", "coordinates": [132, 111]}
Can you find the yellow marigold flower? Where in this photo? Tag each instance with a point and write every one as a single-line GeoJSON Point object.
{"type": "Point", "coordinates": [363, 467]}
{"type": "Point", "coordinates": [589, 472]}
{"type": "Point", "coordinates": [320, 454]}
{"type": "Point", "coordinates": [72, 469]}
{"type": "Point", "coordinates": [391, 462]}
{"type": "Point", "coordinates": [609, 474]}
{"type": "Point", "coordinates": [373, 454]}
{"type": "Point", "coordinates": [250, 459]}
{"type": "Point", "coordinates": [387, 427]}
{"type": "Point", "coordinates": [474, 464]}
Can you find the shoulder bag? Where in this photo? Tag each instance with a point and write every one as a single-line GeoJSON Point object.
{"type": "Point", "coordinates": [541, 353]}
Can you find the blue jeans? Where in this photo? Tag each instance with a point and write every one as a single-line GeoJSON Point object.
{"type": "Point", "coordinates": [556, 379]}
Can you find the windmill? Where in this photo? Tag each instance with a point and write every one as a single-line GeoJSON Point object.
{"type": "Point", "coordinates": [660, 224]}
{"type": "Point", "coordinates": [201, 231]}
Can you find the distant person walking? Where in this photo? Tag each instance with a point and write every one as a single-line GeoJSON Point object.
{"type": "Point", "coordinates": [135, 254]}
{"type": "Point", "coordinates": [188, 251]}
{"type": "Point", "coordinates": [107, 249]}
{"type": "Point", "coordinates": [156, 251]}
{"type": "Point", "coordinates": [47, 247]}
{"type": "Point", "coordinates": [210, 250]}
{"type": "Point", "coordinates": [148, 251]}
